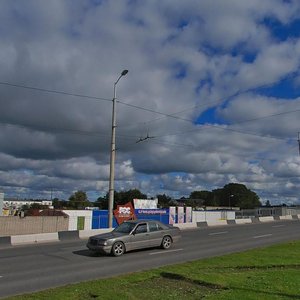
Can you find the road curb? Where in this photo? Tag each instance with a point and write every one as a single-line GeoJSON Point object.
{"type": "Point", "coordinates": [255, 220]}
{"type": "Point", "coordinates": [84, 234]}
{"type": "Point", "coordinates": [266, 219]}
{"type": "Point", "coordinates": [5, 241]}
{"type": "Point", "coordinates": [243, 221]}
{"type": "Point", "coordinates": [34, 238]}
{"type": "Point", "coordinates": [202, 224]}
{"type": "Point", "coordinates": [68, 235]}
{"type": "Point", "coordinates": [230, 222]}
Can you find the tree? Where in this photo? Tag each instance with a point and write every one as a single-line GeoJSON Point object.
{"type": "Point", "coordinates": [268, 204]}
{"type": "Point", "coordinates": [232, 194]}
{"type": "Point", "coordinates": [206, 197]}
{"type": "Point", "coordinates": [239, 195]}
{"type": "Point", "coordinates": [120, 198]}
{"type": "Point", "coordinates": [59, 204]}
{"type": "Point", "coordinates": [79, 200]}
{"type": "Point", "coordinates": [163, 201]}
{"type": "Point", "coordinates": [194, 203]}
{"type": "Point", "coordinates": [38, 206]}
{"type": "Point", "coordinates": [102, 202]}
{"type": "Point", "coordinates": [128, 196]}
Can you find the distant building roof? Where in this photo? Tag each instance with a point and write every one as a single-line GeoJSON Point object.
{"type": "Point", "coordinates": [52, 212]}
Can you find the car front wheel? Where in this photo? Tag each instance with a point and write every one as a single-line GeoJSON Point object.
{"type": "Point", "coordinates": [166, 242]}
{"type": "Point", "coordinates": [118, 249]}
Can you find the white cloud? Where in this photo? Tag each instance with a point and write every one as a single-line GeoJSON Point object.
{"type": "Point", "coordinates": [182, 56]}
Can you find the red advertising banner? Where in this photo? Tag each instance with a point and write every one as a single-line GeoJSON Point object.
{"type": "Point", "coordinates": [124, 212]}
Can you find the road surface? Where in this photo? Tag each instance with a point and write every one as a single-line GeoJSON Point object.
{"type": "Point", "coordinates": [31, 268]}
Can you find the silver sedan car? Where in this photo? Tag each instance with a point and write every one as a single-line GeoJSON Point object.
{"type": "Point", "coordinates": [134, 234]}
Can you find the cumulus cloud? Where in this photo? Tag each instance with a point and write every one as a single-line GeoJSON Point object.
{"type": "Point", "coordinates": [185, 58]}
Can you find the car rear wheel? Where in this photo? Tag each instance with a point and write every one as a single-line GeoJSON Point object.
{"type": "Point", "coordinates": [166, 242]}
{"type": "Point", "coordinates": [118, 249]}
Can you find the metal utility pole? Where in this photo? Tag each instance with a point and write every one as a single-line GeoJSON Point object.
{"type": "Point", "coordinates": [113, 156]}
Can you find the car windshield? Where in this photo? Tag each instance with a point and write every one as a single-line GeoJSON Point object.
{"type": "Point", "coordinates": [125, 227]}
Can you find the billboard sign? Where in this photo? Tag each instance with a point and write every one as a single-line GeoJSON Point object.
{"type": "Point", "coordinates": [124, 212]}
{"type": "Point", "coordinates": [152, 211]}
{"type": "Point", "coordinates": [145, 203]}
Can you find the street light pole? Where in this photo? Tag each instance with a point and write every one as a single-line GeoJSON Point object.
{"type": "Point", "coordinates": [230, 196]}
{"type": "Point", "coordinates": [113, 156]}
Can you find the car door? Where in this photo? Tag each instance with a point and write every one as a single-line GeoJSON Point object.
{"type": "Point", "coordinates": [140, 237]}
{"type": "Point", "coordinates": [156, 234]}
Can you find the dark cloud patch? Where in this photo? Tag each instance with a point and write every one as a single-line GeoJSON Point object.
{"type": "Point", "coordinates": [52, 140]}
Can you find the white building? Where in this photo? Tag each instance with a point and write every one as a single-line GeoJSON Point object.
{"type": "Point", "coordinates": [16, 204]}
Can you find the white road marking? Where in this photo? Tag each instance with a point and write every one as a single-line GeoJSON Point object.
{"type": "Point", "coordinates": [262, 236]}
{"type": "Point", "coordinates": [217, 233]}
{"type": "Point", "coordinates": [277, 226]}
{"type": "Point", "coordinates": [1, 276]}
{"type": "Point", "coordinates": [166, 251]}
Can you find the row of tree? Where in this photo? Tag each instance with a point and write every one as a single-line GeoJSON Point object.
{"type": "Point", "coordinates": [231, 195]}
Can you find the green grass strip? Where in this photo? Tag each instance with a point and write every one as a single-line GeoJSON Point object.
{"type": "Point", "coordinates": [264, 273]}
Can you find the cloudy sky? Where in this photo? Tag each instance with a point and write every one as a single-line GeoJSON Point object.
{"type": "Point", "coordinates": [212, 96]}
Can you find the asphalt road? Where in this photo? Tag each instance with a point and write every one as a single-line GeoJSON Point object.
{"type": "Point", "coordinates": [37, 267]}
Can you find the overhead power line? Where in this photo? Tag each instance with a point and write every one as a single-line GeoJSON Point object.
{"type": "Point", "coordinates": [192, 121]}
{"type": "Point", "coordinates": [221, 128]}
{"type": "Point", "coordinates": [53, 91]}
{"type": "Point", "coordinates": [267, 116]}
{"type": "Point", "coordinates": [173, 115]}
{"type": "Point", "coordinates": [62, 130]}
{"type": "Point", "coordinates": [154, 111]}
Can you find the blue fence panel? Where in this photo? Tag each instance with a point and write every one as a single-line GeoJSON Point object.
{"type": "Point", "coordinates": [161, 215]}
{"type": "Point", "coordinates": [100, 219]}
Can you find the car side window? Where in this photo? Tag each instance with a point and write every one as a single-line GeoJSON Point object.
{"type": "Point", "coordinates": [153, 226]}
{"type": "Point", "coordinates": [142, 228]}
{"type": "Point", "coordinates": [159, 227]}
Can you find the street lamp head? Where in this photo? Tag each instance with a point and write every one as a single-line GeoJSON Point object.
{"type": "Point", "coordinates": [124, 72]}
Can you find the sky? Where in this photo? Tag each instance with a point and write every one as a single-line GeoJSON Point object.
{"type": "Point", "coordinates": [212, 97]}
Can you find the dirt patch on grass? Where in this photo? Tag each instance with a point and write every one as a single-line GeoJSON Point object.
{"type": "Point", "coordinates": [175, 286]}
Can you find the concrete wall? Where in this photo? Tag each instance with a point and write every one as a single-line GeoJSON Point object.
{"type": "Point", "coordinates": [212, 216]}
{"type": "Point", "coordinates": [32, 225]}
{"type": "Point", "coordinates": [73, 218]}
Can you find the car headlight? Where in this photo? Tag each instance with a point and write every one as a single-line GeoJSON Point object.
{"type": "Point", "coordinates": [102, 243]}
